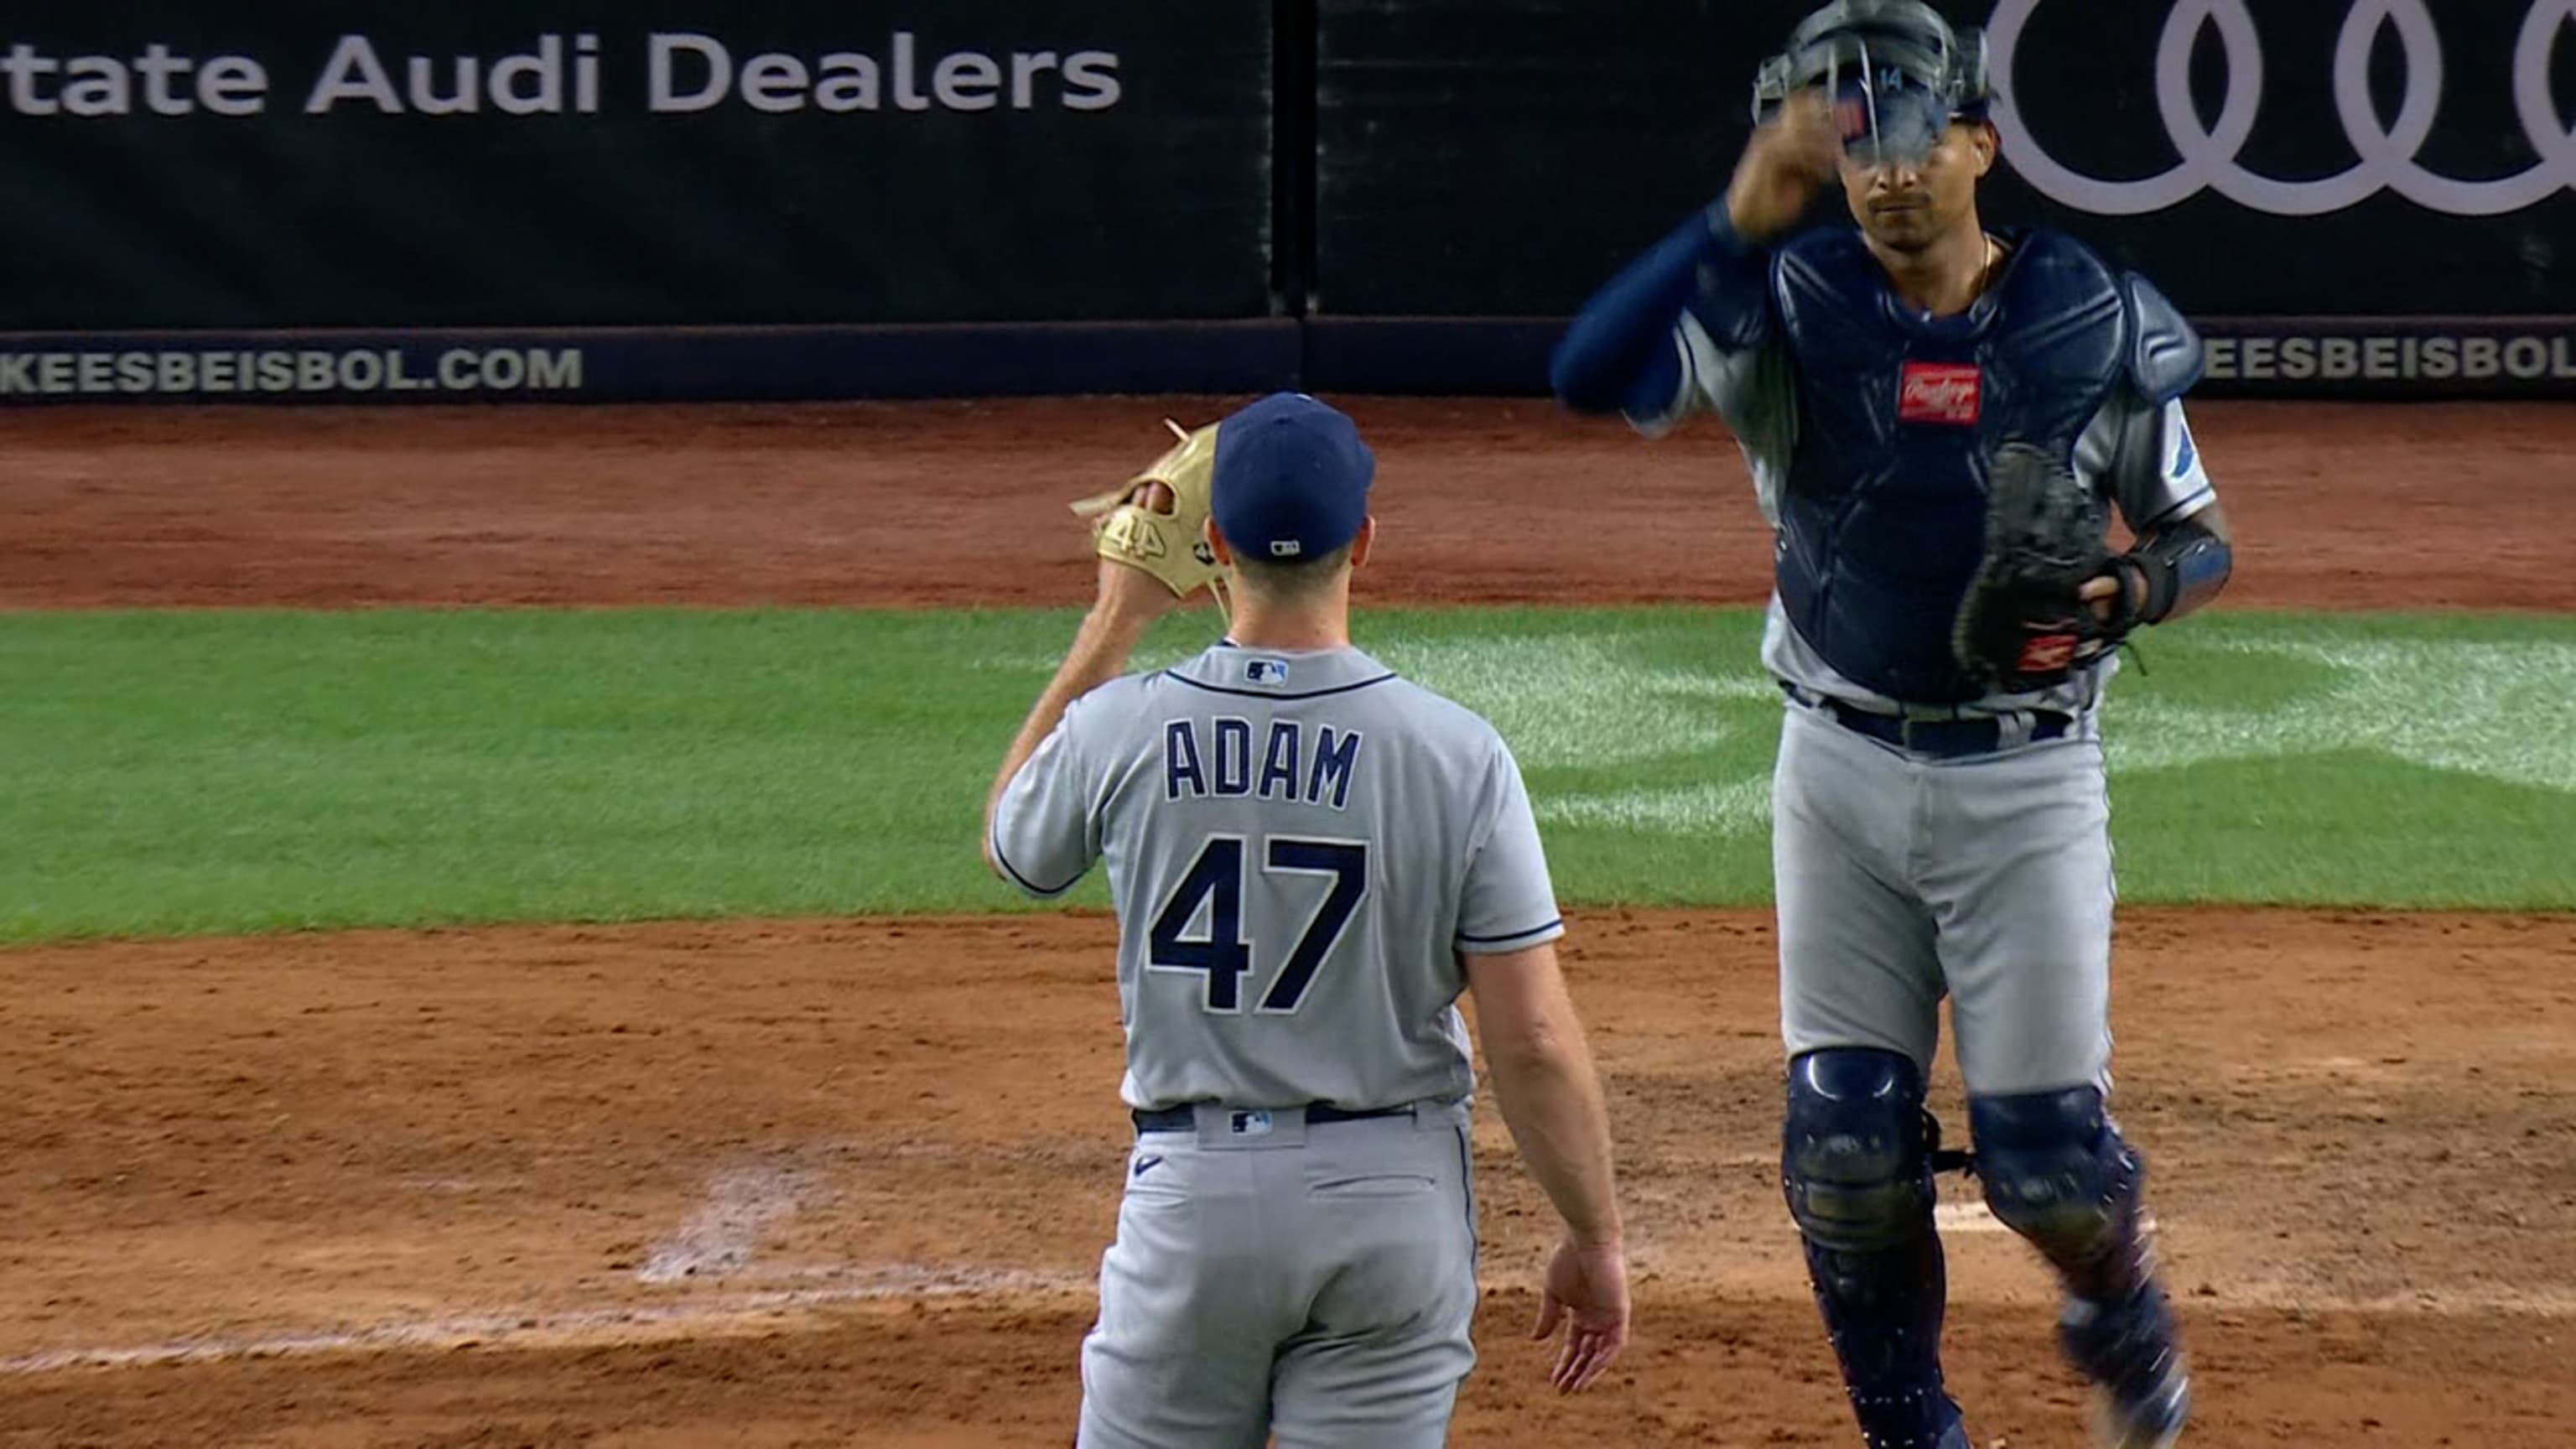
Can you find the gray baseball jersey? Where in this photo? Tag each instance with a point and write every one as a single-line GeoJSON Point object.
{"type": "Point", "coordinates": [1298, 844]}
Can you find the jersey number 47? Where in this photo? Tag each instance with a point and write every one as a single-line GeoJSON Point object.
{"type": "Point", "coordinates": [1224, 953]}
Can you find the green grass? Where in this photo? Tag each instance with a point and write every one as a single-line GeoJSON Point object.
{"type": "Point", "coordinates": [193, 772]}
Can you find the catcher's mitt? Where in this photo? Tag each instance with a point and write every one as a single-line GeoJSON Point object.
{"type": "Point", "coordinates": [2022, 626]}
{"type": "Point", "coordinates": [1171, 546]}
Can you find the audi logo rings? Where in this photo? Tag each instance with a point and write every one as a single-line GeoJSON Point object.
{"type": "Point", "coordinates": [2209, 153]}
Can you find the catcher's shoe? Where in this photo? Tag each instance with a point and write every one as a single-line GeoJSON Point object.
{"type": "Point", "coordinates": [2131, 1354]}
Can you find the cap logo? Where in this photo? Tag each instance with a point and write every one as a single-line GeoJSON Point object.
{"type": "Point", "coordinates": [1286, 548]}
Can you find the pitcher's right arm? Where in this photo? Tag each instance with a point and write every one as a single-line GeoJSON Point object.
{"type": "Point", "coordinates": [1550, 1095]}
{"type": "Point", "coordinates": [1541, 1069]}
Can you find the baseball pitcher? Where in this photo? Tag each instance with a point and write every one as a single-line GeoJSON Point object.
{"type": "Point", "coordinates": [1311, 860]}
{"type": "Point", "coordinates": [1939, 417]}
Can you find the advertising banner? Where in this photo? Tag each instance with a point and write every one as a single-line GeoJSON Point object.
{"type": "Point", "coordinates": [649, 364]}
{"type": "Point", "coordinates": [2319, 158]}
{"type": "Point", "coordinates": [361, 163]}
{"type": "Point", "coordinates": [2293, 158]}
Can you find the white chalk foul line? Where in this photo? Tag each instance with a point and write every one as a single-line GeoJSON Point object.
{"type": "Point", "coordinates": [599, 1325]}
{"type": "Point", "coordinates": [1965, 1217]}
{"type": "Point", "coordinates": [578, 1325]}
{"type": "Point", "coordinates": [719, 1237]}
{"type": "Point", "coordinates": [1976, 1217]}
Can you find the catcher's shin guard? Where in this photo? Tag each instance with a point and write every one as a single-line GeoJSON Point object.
{"type": "Point", "coordinates": [2131, 1353]}
{"type": "Point", "coordinates": [1856, 1169]}
{"type": "Point", "coordinates": [2057, 1172]}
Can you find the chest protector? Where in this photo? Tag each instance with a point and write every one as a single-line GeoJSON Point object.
{"type": "Point", "coordinates": [1882, 521]}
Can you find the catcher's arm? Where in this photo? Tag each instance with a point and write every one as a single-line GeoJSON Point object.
{"type": "Point", "coordinates": [1642, 344]}
{"type": "Point", "coordinates": [2171, 572]}
{"type": "Point", "coordinates": [2184, 552]}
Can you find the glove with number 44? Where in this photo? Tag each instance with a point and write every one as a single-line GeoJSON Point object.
{"type": "Point", "coordinates": [1172, 546]}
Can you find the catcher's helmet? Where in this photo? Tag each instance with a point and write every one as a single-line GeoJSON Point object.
{"type": "Point", "coordinates": [1897, 72]}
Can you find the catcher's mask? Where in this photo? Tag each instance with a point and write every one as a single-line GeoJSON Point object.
{"type": "Point", "coordinates": [1897, 72]}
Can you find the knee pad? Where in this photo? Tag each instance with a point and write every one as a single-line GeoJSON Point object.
{"type": "Point", "coordinates": [1855, 1160]}
{"type": "Point", "coordinates": [2056, 1171]}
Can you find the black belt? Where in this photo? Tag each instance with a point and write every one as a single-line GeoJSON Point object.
{"type": "Point", "coordinates": [1948, 738]}
{"type": "Point", "coordinates": [1185, 1117]}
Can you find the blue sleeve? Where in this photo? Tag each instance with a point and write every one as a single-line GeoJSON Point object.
{"type": "Point", "coordinates": [1618, 356]}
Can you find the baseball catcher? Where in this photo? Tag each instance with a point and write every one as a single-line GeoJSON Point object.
{"type": "Point", "coordinates": [1940, 418]}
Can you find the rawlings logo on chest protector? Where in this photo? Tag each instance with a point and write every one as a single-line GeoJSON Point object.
{"type": "Point", "coordinates": [1939, 392]}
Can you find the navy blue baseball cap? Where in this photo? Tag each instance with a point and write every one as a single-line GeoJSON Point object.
{"type": "Point", "coordinates": [1291, 479]}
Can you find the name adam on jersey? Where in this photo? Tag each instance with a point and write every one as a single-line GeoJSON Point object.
{"type": "Point", "coordinates": [1301, 763]}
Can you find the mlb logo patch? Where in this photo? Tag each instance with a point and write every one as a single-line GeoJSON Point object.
{"type": "Point", "coordinates": [1266, 671]}
{"type": "Point", "coordinates": [1939, 392]}
{"type": "Point", "coordinates": [1248, 1124]}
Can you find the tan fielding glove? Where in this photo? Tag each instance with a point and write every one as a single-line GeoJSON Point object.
{"type": "Point", "coordinates": [1170, 546]}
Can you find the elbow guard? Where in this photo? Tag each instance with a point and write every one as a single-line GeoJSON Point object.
{"type": "Point", "coordinates": [2184, 566]}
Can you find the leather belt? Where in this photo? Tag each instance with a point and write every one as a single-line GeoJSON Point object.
{"type": "Point", "coordinates": [1184, 1118]}
{"type": "Point", "coordinates": [1941, 738]}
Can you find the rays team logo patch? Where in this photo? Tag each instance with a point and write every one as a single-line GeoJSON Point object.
{"type": "Point", "coordinates": [1938, 392]}
{"type": "Point", "coordinates": [2042, 653]}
